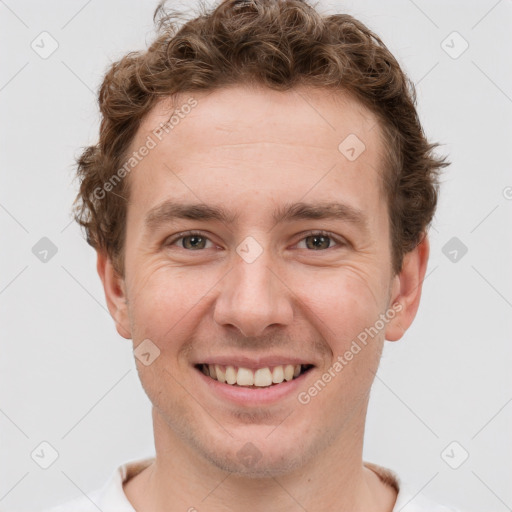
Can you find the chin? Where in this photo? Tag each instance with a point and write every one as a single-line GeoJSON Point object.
{"type": "Point", "coordinates": [259, 451]}
{"type": "Point", "coordinates": [252, 462]}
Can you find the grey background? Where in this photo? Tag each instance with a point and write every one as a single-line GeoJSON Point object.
{"type": "Point", "coordinates": [67, 378]}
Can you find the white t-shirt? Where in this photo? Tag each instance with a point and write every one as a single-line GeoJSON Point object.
{"type": "Point", "coordinates": [111, 497]}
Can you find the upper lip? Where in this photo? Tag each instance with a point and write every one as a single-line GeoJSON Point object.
{"type": "Point", "coordinates": [253, 362]}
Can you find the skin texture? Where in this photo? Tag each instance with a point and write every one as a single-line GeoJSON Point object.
{"type": "Point", "coordinates": [252, 151]}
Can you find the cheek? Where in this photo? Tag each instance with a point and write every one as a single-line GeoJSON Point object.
{"type": "Point", "coordinates": [170, 306]}
{"type": "Point", "coordinates": [344, 296]}
{"type": "Point", "coordinates": [343, 308]}
{"type": "Point", "coordinates": [342, 305]}
{"type": "Point", "coordinates": [163, 302]}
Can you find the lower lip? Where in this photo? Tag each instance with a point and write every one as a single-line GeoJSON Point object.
{"type": "Point", "coordinates": [253, 396]}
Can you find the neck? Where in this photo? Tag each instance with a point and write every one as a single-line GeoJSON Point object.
{"type": "Point", "coordinates": [335, 479]}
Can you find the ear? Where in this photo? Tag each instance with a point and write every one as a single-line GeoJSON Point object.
{"type": "Point", "coordinates": [406, 289]}
{"type": "Point", "coordinates": [115, 294]}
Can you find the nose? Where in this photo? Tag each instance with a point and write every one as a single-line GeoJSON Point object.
{"type": "Point", "coordinates": [253, 296]}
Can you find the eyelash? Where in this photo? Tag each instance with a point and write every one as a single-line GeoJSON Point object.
{"type": "Point", "coordinates": [326, 234]}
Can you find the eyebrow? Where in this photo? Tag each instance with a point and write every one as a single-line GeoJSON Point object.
{"type": "Point", "coordinates": [170, 210]}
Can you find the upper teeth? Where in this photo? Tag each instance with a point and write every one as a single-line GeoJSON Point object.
{"type": "Point", "coordinates": [246, 377]}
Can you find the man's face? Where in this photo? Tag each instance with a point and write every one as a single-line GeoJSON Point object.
{"type": "Point", "coordinates": [255, 290]}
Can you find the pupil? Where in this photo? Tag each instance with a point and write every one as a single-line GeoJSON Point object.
{"type": "Point", "coordinates": [193, 244]}
{"type": "Point", "coordinates": [319, 237]}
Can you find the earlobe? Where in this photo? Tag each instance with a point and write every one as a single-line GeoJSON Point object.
{"type": "Point", "coordinates": [406, 290]}
{"type": "Point", "coordinates": [115, 294]}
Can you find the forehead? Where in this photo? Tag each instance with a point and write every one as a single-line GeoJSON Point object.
{"type": "Point", "coordinates": [244, 113]}
{"type": "Point", "coordinates": [241, 139]}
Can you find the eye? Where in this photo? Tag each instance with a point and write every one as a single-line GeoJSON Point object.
{"type": "Point", "coordinates": [191, 240]}
{"type": "Point", "coordinates": [320, 240]}
{"type": "Point", "coordinates": [314, 240]}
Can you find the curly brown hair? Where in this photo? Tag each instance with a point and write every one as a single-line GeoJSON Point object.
{"type": "Point", "coordinates": [280, 44]}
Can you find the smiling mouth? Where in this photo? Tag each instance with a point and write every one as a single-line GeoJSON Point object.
{"type": "Point", "coordinates": [259, 378]}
